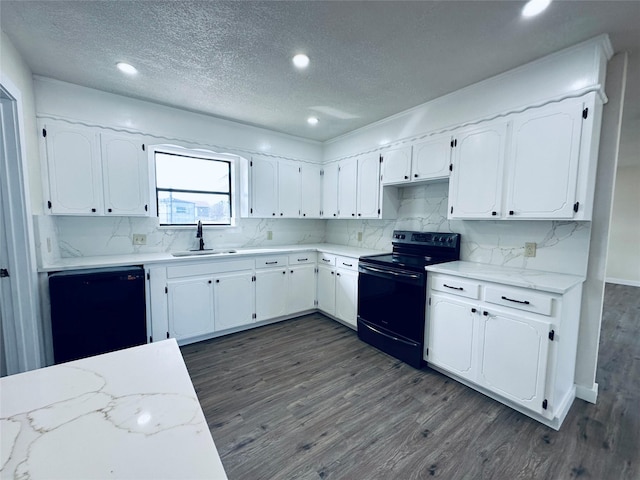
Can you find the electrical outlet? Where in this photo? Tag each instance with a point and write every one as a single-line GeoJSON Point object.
{"type": "Point", "coordinates": [48, 245]}
{"type": "Point", "coordinates": [529, 249]}
{"type": "Point", "coordinates": [269, 235]}
{"type": "Point", "coordinates": [139, 239]}
{"type": "Point", "coordinates": [359, 236]}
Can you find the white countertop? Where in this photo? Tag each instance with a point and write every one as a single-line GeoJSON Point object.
{"type": "Point", "coordinates": [518, 277]}
{"type": "Point", "coordinates": [73, 263]}
{"type": "Point", "coordinates": [130, 414]}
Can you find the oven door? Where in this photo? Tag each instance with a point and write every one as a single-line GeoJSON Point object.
{"type": "Point", "coordinates": [392, 299]}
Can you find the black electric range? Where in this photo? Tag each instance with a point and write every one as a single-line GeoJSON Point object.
{"type": "Point", "coordinates": [392, 292]}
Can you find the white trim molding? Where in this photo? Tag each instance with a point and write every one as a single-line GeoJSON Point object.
{"type": "Point", "coordinates": [623, 281]}
{"type": "Point", "coordinates": [587, 394]}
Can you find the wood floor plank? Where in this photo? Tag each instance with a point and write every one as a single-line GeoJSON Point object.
{"type": "Point", "coordinates": [305, 399]}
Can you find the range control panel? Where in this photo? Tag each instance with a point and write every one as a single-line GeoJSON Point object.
{"type": "Point", "coordinates": [434, 239]}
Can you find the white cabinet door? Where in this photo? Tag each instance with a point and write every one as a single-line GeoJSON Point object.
{"type": "Point", "coordinates": [396, 166]}
{"type": "Point", "coordinates": [513, 357]}
{"type": "Point", "coordinates": [330, 191]}
{"type": "Point", "coordinates": [475, 188]}
{"type": "Point", "coordinates": [264, 187]}
{"type": "Point", "coordinates": [75, 176]}
{"type": "Point", "coordinates": [347, 184]}
{"type": "Point", "coordinates": [311, 194]}
{"type": "Point", "coordinates": [347, 296]}
{"type": "Point", "coordinates": [271, 293]}
{"type": "Point", "coordinates": [451, 335]}
{"type": "Point", "coordinates": [233, 299]}
{"type": "Point", "coordinates": [327, 289]}
{"type": "Point", "coordinates": [431, 158]}
{"type": "Point", "coordinates": [190, 304]}
{"type": "Point", "coordinates": [288, 189]}
{"type": "Point", "coordinates": [302, 288]}
{"type": "Point", "coordinates": [125, 177]}
{"type": "Point", "coordinates": [543, 162]}
{"type": "Point", "coordinates": [368, 189]}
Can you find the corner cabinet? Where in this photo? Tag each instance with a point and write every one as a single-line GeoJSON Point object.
{"type": "Point", "coordinates": [514, 344]}
{"type": "Point", "coordinates": [92, 172]}
{"type": "Point", "coordinates": [538, 164]}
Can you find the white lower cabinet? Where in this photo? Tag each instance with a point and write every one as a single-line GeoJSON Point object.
{"type": "Point", "coordinates": [190, 307]}
{"type": "Point", "coordinates": [338, 287]}
{"type": "Point", "coordinates": [233, 300]}
{"type": "Point", "coordinates": [514, 344]}
{"type": "Point", "coordinates": [271, 293]}
{"type": "Point", "coordinates": [301, 293]}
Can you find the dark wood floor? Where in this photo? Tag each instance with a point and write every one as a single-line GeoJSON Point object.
{"type": "Point", "coordinates": [305, 399]}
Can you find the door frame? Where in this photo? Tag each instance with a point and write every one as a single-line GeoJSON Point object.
{"type": "Point", "coordinates": [22, 325]}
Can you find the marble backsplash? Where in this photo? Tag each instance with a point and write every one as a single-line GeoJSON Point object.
{"type": "Point", "coordinates": [562, 246]}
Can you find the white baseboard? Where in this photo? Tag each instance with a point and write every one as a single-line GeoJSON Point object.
{"type": "Point", "coordinates": [623, 281]}
{"type": "Point", "coordinates": [587, 394]}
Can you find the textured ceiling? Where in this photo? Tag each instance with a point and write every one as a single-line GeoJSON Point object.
{"type": "Point", "coordinates": [369, 59]}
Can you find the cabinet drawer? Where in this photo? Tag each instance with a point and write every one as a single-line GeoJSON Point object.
{"type": "Point", "coordinates": [456, 286]}
{"type": "Point", "coordinates": [208, 268]}
{"type": "Point", "coordinates": [519, 298]}
{"type": "Point", "coordinates": [302, 257]}
{"type": "Point", "coordinates": [326, 259]}
{"type": "Point", "coordinates": [347, 263]}
{"type": "Point", "coordinates": [267, 262]}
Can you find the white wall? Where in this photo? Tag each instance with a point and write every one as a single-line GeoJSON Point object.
{"type": "Point", "coordinates": [623, 263]}
{"type": "Point", "coordinates": [13, 66]}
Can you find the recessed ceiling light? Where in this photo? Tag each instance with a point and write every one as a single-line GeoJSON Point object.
{"type": "Point", "coordinates": [312, 120]}
{"type": "Point", "coordinates": [126, 68]}
{"type": "Point", "coordinates": [301, 60]}
{"type": "Point", "coordinates": [534, 7]}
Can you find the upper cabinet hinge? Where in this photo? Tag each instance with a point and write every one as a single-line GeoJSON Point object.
{"type": "Point", "coordinates": [451, 209]}
{"type": "Point", "coordinates": [427, 352]}
{"type": "Point", "coordinates": [451, 167]}
{"type": "Point", "coordinates": [146, 207]}
{"type": "Point", "coordinates": [148, 276]}
{"type": "Point", "coordinates": [44, 132]}
{"type": "Point", "coordinates": [166, 290]}
{"type": "Point", "coordinates": [299, 169]}
{"type": "Point", "coordinates": [545, 404]}
{"type": "Point", "coordinates": [552, 335]}
{"type": "Point", "coordinates": [429, 300]}
{"type": "Point", "coordinates": [143, 147]}
{"type": "Point", "coordinates": [576, 206]}
{"type": "Point", "coordinates": [251, 163]}
{"type": "Point", "coordinates": [49, 204]}
{"type": "Point", "coordinates": [321, 172]}
{"type": "Point", "coordinates": [253, 315]}
{"type": "Point", "coordinates": [253, 279]}
{"type": "Point", "coordinates": [454, 143]}
{"type": "Point", "coordinates": [585, 113]}
{"type": "Point", "coordinates": [251, 211]}
{"type": "Point", "coordinates": [381, 158]}
{"type": "Point", "coordinates": [378, 211]}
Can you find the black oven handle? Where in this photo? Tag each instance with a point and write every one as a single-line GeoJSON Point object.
{"type": "Point", "coordinates": [391, 274]}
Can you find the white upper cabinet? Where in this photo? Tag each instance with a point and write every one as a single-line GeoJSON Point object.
{"type": "Point", "coordinates": [311, 194]}
{"type": "Point", "coordinates": [541, 167]}
{"type": "Point", "coordinates": [431, 158]}
{"type": "Point", "coordinates": [475, 188]}
{"type": "Point", "coordinates": [543, 162]}
{"type": "Point", "coordinates": [347, 188]}
{"type": "Point", "coordinates": [74, 169]}
{"type": "Point", "coordinates": [396, 166]}
{"type": "Point", "coordinates": [368, 188]}
{"type": "Point", "coordinates": [125, 175]}
{"type": "Point", "coordinates": [91, 172]}
{"type": "Point", "coordinates": [289, 178]}
{"type": "Point", "coordinates": [264, 187]}
{"type": "Point", "coordinates": [425, 160]}
{"type": "Point", "coordinates": [330, 190]}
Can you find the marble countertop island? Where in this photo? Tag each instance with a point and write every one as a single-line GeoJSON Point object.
{"type": "Point", "coordinates": [130, 414]}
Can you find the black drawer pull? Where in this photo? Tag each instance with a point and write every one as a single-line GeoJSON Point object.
{"type": "Point", "coordinates": [271, 263]}
{"type": "Point", "coordinates": [303, 259]}
{"type": "Point", "coordinates": [524, 302]}
{"type": "Point", "coordinates": [453, 288]}
{"type": "Point", "coordinates": [326, 260]}
{"type": "Point", "coordinates": [348, 264]}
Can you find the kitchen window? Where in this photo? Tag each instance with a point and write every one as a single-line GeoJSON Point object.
{"type": "Point", "coordinates": [193, 186]}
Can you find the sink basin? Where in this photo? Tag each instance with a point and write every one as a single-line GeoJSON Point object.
{"type": "Point", "coordinates": [191, 253]}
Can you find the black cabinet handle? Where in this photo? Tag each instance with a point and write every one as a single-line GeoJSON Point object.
{"type": "Point", "coordinates": [511, 212]}
{"type": "Point", "coordinates": [473, 310]}
{"type": "Point", "coordinates": [353, 214]}
{"type": "Point", "coordinates": [359, 214]}
{"type": "Point", "coordinates": [338, 274]}
{"type": "Point", "coordinates": [291, 271]}
{"type": "Point", "coordinates": [217, 280]}
{"type": "Point", "coordinates": [485, 313]}
{"type": "Point", "coordinates": [406, 177]}
{"type": "Point", "coordinates": [284, 273]}
{"type": "Point", "coordinates": [93, 210]}
{"type": "Point", "coordinates": [110, 210]}
{"type": "Point", "coordinates": [348, 264]}
{"type": "Point", "coordinates": [415, 175]}
{"type": "Point", "coordinates": [523, 302]}
{"type": "Point", "coordinates": [274, 214]}
{"type": "Point", "coordinates": [281, 213]}
{"type": "Point", "coordinates": [303, 259]}
{"type": "Point", "coordinates": [326, 260]}
{"type": "Point", "coordinates": [271, 263]}
{"type": "Point", "coordinates": [494, 213]}
{"type": "Point", "coordinates": [453, 288]}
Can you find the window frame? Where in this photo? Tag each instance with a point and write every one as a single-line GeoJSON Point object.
{"type": "Point", "coordinates": [231, 159]}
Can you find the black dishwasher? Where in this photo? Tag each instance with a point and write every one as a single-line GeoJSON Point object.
{"type": "Point", "coordinates": [97, 311]}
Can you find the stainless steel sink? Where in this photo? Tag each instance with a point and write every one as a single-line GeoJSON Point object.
{"type": "Point", "coordinates": [193, 253]}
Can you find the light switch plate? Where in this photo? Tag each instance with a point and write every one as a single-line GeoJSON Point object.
{"type": "Point", "coordinates": [269, 235]}
{"type": "Point", "coordinates": [359, 236]}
